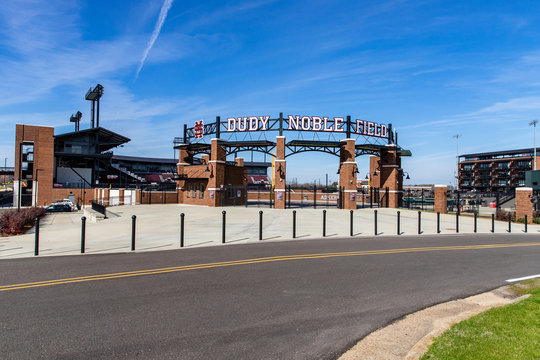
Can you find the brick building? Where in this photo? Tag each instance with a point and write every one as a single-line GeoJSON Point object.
{"type": "Point", "coordinates": [495, 171]}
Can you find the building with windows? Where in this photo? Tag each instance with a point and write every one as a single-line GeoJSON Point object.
{"type": "Point", "coordinates": [495, 171]}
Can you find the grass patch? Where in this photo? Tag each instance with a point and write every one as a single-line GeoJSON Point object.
{"type": "Point", "coordinates": [508, 332]}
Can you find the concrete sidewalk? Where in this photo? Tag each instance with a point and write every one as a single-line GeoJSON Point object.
{"type": "Point", "coordinates": [158, 228]}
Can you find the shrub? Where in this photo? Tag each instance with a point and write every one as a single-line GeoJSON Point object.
{"type": "Point", "coordinates": [13, 222]}
{"type": "Point", "coordinates": [505, 215]}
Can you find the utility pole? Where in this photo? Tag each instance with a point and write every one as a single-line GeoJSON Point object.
{"type": "Point", "coordinates": [533, 123]}
{"type": "Point", "coordinates": [457, 136]}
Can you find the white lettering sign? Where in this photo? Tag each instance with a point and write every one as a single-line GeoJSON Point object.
{"type": "Point", "coordinates": [307, 123]}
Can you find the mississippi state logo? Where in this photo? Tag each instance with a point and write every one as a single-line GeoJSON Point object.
{"type": "Point", "coordinates": [198, 129]}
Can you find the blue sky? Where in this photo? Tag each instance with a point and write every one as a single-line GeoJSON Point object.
{"type": "Point", "coordinates": [431, 68]}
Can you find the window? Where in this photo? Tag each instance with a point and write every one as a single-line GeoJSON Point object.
{"type": "Point", "coordinates": [502, 183]}
{"type": "Point", "coordinates": [524, 163]}
{"type": "Point", "coordinates": [521, 182]}
{"type": "Point", "coordinates": [467, 167]}
{"type": "Point", "coordinates": [188, 189]}
{"type": "Point", "coordinates": [194, 191]}
{"type": "Point", "coordinates": [201, 191]}
{"type": "Point", "coordinates": [485, 165]}
{"type": "Point", "coordinates": [503, 165]}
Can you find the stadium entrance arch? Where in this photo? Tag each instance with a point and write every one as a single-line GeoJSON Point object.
{"type": "Point", "coordinates": [213, 181]}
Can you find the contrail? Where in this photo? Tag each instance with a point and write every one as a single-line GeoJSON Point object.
{"type": "Point", "coordinates": [162, 15]}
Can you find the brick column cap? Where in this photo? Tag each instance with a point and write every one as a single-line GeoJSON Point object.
{"type": "Point", "coordinates": [524, 188]}
{"type": "Point", "coordinates": [441, 186]}
{"type": "Point", "coordinates": [347, 139]}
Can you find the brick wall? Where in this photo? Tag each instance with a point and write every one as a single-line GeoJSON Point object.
{"type": "Point", "coordinates": [441, 202]}
{"type": "Point", "coordinates": [524, 203]}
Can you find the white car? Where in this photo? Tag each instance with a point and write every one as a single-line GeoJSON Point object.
{"type": "Point", "coordinates": [66, 202]}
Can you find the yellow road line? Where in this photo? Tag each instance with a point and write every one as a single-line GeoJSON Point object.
{"type": "Point", "coordinates": [254, 261]}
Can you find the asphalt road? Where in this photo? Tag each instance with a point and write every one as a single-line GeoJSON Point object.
{"type": "Point", "coordinates": [286, 307]}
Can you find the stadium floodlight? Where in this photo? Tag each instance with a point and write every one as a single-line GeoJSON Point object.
{"type": "Point", "coordinates": [94, 95]}
{"type": "Point", "coordinates": [76, 119]}
{"type": "Point", "coordinates": [533, 123]}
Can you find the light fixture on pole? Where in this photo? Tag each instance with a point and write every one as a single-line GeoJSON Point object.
{"type": "Point", "coordinates": [457, 136]}
{"type": "Point", "coordinates": [533, 123]}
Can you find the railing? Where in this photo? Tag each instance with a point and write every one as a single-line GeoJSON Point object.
{"type": "Point", "coordinates": [100, 208]}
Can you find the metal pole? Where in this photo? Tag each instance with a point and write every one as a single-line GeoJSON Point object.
{"type": "Point", "coordinates": [133, 220]}
{"type": "Point", "coordinates": [294, 224]}
{"type": "Point", "coordinates": [375, 220]}
{"type": "Point", "coordinates": [457, 222]}
{"type": "Point", "coordinates": [36, 245]}
{"type": "Point", "coordinates": [492, 223]}
{"type": "Point", "coordinates": [224, 214]}
{"type": "Point", "coordinates": [351, 222]}
{"type": "Point", "coordinates": [525, 223]}
{"type": "Point", "coordinates": [83, 234]}
{"type": "Point", "coordinates": [398, 223]}
{"type": "Point", "coordinates": [324, 223]}
{"type": "Point", "coordinates": [419, 222]}
{"type": "Point", "coordinates": [182, 230]}
{"type": "Point", "coordinates": [475, 222]}
{"type": "Point", "coordinates": [314, 196]}
{"type": "Point", "coordinates": [509, 223]}
{"type": "Point", "coordinates": [260, 225]}
{"type": "Point", "coordinates": [438, 223]}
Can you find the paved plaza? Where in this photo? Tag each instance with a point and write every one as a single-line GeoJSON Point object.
{"type": "Point", "coordinates": [158, 228]}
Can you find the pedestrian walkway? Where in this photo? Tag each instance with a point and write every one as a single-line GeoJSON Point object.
{"type": "Point", "coordinates": [158, 228]}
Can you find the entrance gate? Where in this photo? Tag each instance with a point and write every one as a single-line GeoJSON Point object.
{"type": "Point", "coordinates": [339, 136]}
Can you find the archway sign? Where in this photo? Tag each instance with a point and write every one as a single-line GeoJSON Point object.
{"type": "Point", "coordinates": [338, 135]}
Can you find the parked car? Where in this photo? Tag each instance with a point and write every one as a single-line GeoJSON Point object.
{"type": "Point", "coordinates": [66, 202]}
{"type": "Point", "coordinates": [58, 208]}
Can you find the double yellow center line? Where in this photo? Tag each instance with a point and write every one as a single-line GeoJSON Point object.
{"type": "Point", "coordinates": [254, 261]}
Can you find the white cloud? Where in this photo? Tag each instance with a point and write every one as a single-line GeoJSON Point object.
{"type": "Point", "coordinates": [157, 29]}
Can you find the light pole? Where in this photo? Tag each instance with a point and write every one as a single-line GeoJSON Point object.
{"type": "Point", "coordinates": [5, 173]}
{"type": "Point", "coordinates": [533, 123]}
{"type": "Point", "coordinates": [457, 136]}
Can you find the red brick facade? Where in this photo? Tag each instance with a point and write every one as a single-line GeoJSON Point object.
{"type": "Point", "coordinates": [441, 200]}
{"type": "Point", "coordinates": [524, 203]}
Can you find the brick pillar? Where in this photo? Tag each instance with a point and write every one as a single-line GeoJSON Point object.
{"type": "Point", "coordinates": [239, 162]}
{"type": "Point", "coordinates": [524, 203]}
{"type": "Point", "coordinates": [347, 173]}
{"type": "Point", "coordinates": [385, 173]}
{"type": "Point", "coordinates": [121, 196]}
{"type": "Point", "coordinates": [185, 158]}
{"type": "Point", "coordinates": [280, 171]}
{"type": "Point", "coordinates": [441, 204]}
{"type": "Point", "coordinates": [217, 173]}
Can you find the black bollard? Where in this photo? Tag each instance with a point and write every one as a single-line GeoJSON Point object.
{"type": "Point", "coordinates": [133, 220]}
{"type": "Point", "coordinates": [375, 220]}
{"type": "Point", "coordinates": [419, 222]}
{"type": "Point", "coordinates": [83, 234]}
{"type": "Point", "coordinates": [294, 224]}
{"type": "Point", "coordinates": [182, 230]}
{"type": "Point", "coordinates": [457, 222]}
{"type": "Point", "coordinates": [260, 224]}
{"type": "Point", "coordinates": [475, 222]}
{"type": "Point", "coordinates": [324, 223]}
{"type": "Point", "coordinates": [525, 223]}
{"type": "Point", "coordinates": [509, 223]}
{"type": "Point", "coordinates": [36, 245]}
{"type": "Point", "coordinates": [438, 223]}
{"type": "Point", "coordinates": [492, 223]}
{"type": "Point", "coordinates": [398, 223]}
{"type": "Point", "coordinates": [223, 221]}
{"type": "Point", "coordinates": [351, 224]}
